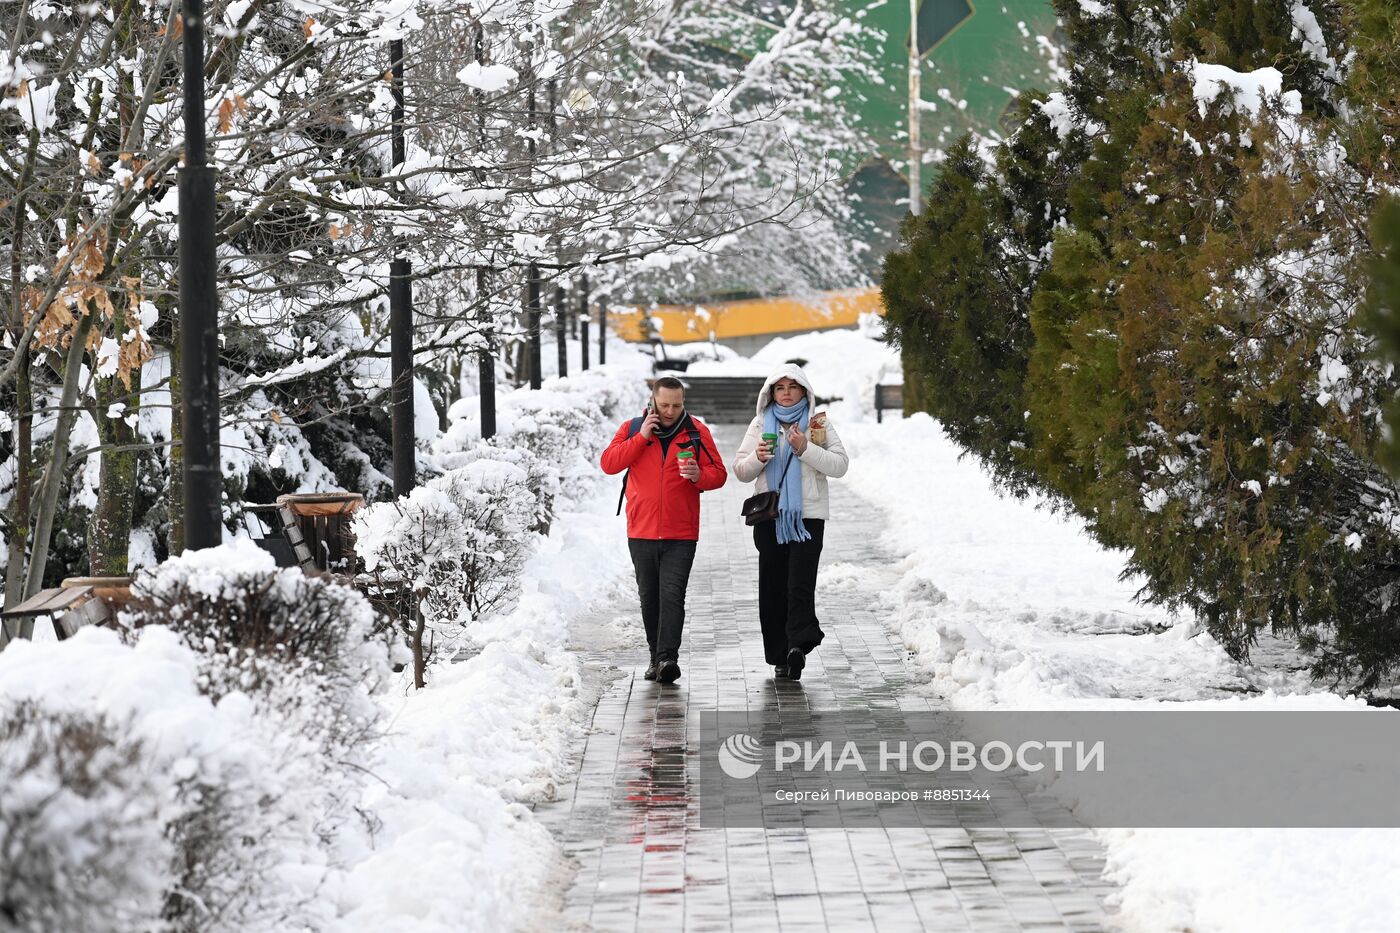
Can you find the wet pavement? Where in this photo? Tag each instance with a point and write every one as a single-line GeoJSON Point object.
{"type": "Point", "coordinates": [629, 824]}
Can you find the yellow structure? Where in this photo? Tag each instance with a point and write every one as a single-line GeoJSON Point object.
{"type": "Point", "coordinates": [731, 320]}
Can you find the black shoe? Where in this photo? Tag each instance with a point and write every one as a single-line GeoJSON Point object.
{"type": "Point", "coordinates": [780, 672]}
{"type": "Point", "coordinates": [651, 671]}
{"type": "Point", "coordinates": [669, 672]}
{"type": "Point", "coordinates": [796, 661]}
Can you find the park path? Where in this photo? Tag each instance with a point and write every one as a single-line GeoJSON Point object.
{"type": "Point", "coordinates": [629, 825]}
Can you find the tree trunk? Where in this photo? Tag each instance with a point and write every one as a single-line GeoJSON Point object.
{"type": "Point", "coordinates": [54, 475]}
{"type": "Point", "coordinates": [420, 657]}
{"type": "Point", "coordinates": [109, 531]}
{"type": "Point", "coordinates": [21, 506]}
{"type": "Point", "coordinates": [175, 541]}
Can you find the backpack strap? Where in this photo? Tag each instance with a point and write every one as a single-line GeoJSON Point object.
{"type": "Point", "coordinates": [633, 427]}
{"type": "Point", "coordinates": [695, 440]}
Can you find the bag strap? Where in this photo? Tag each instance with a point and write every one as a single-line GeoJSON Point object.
{"type": "Point", "coordinates": [633, 427]}
{"type": "Point", "coordinates": [696, 440]}
{"type": "Point", "coordinates": [786, 466]}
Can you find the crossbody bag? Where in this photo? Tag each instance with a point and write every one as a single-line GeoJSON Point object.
{"type": "Point", "coordinates": [763, 507]}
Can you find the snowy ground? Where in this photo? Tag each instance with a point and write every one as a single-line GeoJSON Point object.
{"type": "Point", "coordinates": [1007, 605]}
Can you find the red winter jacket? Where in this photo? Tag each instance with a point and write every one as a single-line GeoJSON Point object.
{"type": "Point", "coordinates": [662, 504]}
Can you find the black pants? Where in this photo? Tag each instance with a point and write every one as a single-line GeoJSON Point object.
{"type": "Point", "coordinates": [787, 589]}
{"type": "Point", "coordinates": [663, 572]}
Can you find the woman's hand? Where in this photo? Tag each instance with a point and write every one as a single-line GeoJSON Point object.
{"type": "Point", "coordinates": [796, 439]}
{"type": "Point", "coordinates": [763, 452]}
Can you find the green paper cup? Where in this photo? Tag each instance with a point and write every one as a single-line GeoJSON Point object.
{"type": "Point", "coordinates": [684, 454]}
{"type": "Point", "coordinates": [770, 439]}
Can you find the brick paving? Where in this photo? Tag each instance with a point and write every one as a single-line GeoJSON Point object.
{"type": "Point", "coordinates": [629, 824]}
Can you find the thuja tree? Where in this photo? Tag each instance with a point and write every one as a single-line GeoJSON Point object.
{"type": "Point", "coordinates": [1184, 227]}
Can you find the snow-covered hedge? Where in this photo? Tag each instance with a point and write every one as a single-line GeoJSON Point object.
{"type": "Point", "coordinates": [81, 841]}
{"type": "Point", "coordinates": [565, 424]}
{"type": "Point", "coordinates": [460, 540]}
{"type": "Point", "coordinates": [238, 701]}
{"type": "Point", "coordinates": [542, 482]}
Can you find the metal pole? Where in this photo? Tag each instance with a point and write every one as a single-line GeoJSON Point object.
{"type": "Point", "coordinates": [602, 333]}
{"type": "Point", "coordinates": [916, 191]}
{"type": "Point", "coordinates": [532, 321]}
{"type": "Point", "coordinates": [199, 307]}
{"type": "Point", "coordinates": [583, 322]}
{"type": "Point", "coordinates": [400, 316]}
{"type": "Point", "coordinates": [561, 328]}
{"type": "Point", "coordinates": [532, 273]}
{"type": "Point", "coordinates": [486, 360]}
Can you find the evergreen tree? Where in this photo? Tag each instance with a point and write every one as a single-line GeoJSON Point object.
{"type": "Point", "coordinates": [1188, 368]}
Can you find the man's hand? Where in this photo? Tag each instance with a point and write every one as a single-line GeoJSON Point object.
{"type": "Point", "coordinates": [690, 470]}
{"type": "Point", "coordinates": [649, 425]}
{"type": "Point", "coordinates": [796, 439]}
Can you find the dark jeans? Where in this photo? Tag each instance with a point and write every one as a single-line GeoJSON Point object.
{"type": "Point", "coordinates": [663, 571]}
{"type": "Point", "coordinates": [787, 590]}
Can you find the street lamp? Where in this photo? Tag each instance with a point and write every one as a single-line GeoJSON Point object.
{"type": "Point", "coordinates": [199, 307]}
{"type": "Point", "coordinates": [400, 315]}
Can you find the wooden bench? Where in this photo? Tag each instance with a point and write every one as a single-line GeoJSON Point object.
{"type": "Point", "coordinates": [889, 397]}
{"type": "Point", "coordinates": [77, 602]}
{"type": "Point", "coordinates": [307, 530]}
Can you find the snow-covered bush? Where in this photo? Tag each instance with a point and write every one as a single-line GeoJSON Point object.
{"type": "Point", "coordinates": [308, 648]}
{"type": "Point", "coordinates": [618, 396]}
{"type": "Point", "coordinates": [297, 660]}
{"type": "Point", "coordinates": [460, 540]}
{"type": "Point", "coordinates": [81, 835]}
{"type": "Point", "coordinates": [540, 479]}
{"type": "Point", "coordinates": [566, 430]}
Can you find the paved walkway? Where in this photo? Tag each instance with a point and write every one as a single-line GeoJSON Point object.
{"type": "Point", "coordinates": [629, 823]}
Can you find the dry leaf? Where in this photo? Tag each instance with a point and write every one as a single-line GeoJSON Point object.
{"type": "Point", "coordinates": [307, 27]}
{"type": "Point", "coordinates": [225, 115]}
{"type": "Point", "coordinates": [275, 415]}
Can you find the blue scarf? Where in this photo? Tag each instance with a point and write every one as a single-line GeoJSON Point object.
{"type": "Point", "coordinates": [790, 527]}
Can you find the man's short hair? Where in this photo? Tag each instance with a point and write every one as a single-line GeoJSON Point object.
{"type": "Point", "coordinates": [668, 382]}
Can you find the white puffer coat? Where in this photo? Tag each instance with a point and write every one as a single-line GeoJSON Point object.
{"type": "Point", "coordinates": [817, 462]}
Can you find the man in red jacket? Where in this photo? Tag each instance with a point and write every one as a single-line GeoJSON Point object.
{"type": "Point", "coordinates": [663, 511]}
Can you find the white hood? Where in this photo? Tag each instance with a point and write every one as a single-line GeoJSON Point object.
{"type": "Point", "coordinates": [791, 371]}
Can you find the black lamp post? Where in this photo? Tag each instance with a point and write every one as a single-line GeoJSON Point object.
{"type": "Point", "coordinates": [561, 328]}
{"type": "Point", "coordinates": [533, 284]}
{"type": "Point", "coordinates": [583, 321]}
{"type": "Point", "coordinates": [532, 322]}
{"type": "Point", "coordinates": [602, 333]}
{"type": "Point", "coordinates": [400, 317]}
{"type": "Point", "coordinates": [486, 357]}
{"type": "Point", "coordinates": [199, 307]}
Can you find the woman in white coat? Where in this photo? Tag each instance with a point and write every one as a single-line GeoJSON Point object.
{"type": "Point", "coordinates": [797, 464]}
